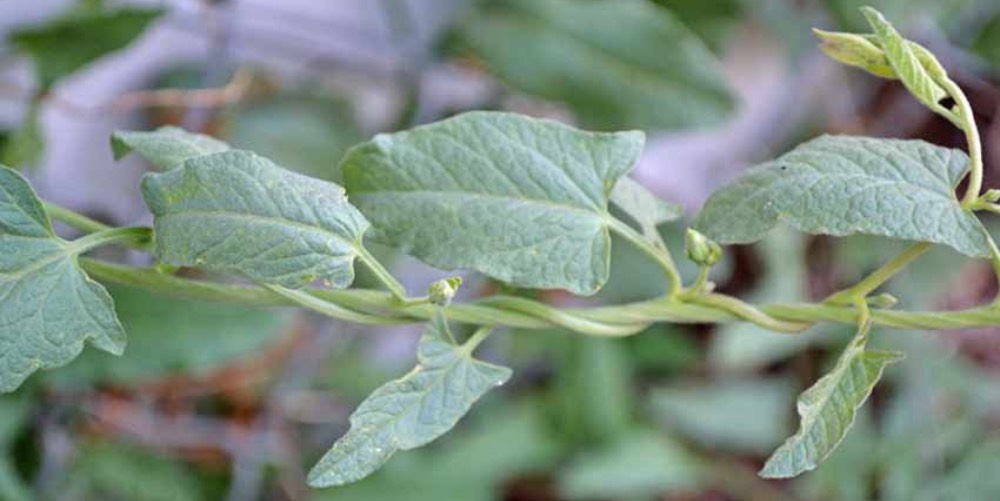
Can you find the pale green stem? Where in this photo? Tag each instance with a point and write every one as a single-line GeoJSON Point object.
{"type": "Point", "coordinates": [382, 274]}
{"type": "Point", "coordinates": [477, 339]}
{"type": "Point", "coordinates": [745, 311]}
{"type": "Point", "coordinates": [74, 219]}
{"type": "Point", "coordinates": [308, 301]}
{"type": "Point", "coordinates": [701, 281]}
{"type": "Point", "coordinates": [975, 145]}
{"type": "Point", "coordinates": [660, 255]}
{"type": "Point", "coordinates": [588, 321]}
{"type": "Point", "coordinates": [879, 276]}
{"type": "Point", "coordinates": [130, 236]}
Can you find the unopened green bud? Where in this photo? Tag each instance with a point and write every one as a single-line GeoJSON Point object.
{"type": "Point", "coordinates": [991, 196]}
{"type": "Point", "coordinates": [443, 291]}
{"type": "Point", "coordinates": [855, 50]}
{"type": "Point", "coordinates": [700, 249]}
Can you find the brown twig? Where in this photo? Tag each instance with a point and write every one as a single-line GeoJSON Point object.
{"type": "Point", "coordinates": [231, 93]}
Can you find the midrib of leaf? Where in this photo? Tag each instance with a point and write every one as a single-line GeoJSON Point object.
{"type": "Point", "coordinates": [256, 217]}
{"type": "Point", "coordinates": [512, 143]}
{"type": "Point", "coordinates": [488, 196]}
{"type": "Point", "coordinates": [441, 376]}
{"type": "Point", "coordinates": [54, 256]}
{"type": "Point", "coordinates": [651, 79]}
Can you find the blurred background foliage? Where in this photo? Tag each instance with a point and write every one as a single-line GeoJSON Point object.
{"type": "Point", "coordinates": [215, 402]}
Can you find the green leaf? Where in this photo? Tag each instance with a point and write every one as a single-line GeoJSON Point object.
{"type": "Point", "coordinates": [518, 199]}
{"type": "Point", "coordinates": [71, 42]}
{"type": "Point", "coordinates": [746, 415]}
{"type": "Point", "coordinates": [828, 409]}
{"type": "Point", "coordinates": [167, 147]}
{"type": "Point", "coordinates": [642, 465]}
{"type": "Point", "coordinates": [238, 212]}
{"type": "Point", "coordinates": [48, 304]}
{"type": "Point", "coordinates": [643, 207]}
{"type": "Point", "coordinates": [842, 185]}
{"type": "Point", "coordinates": [411, 411]}
{"type": "Point", "coordinates": [616, 64]}
{"type": "Point", "coordinates": [169, 336]}
{"type": "Point", "coordinates": [917, 69]}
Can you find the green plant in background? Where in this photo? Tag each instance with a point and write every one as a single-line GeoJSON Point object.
{"type": "Point", "coordinates": [523, 201]}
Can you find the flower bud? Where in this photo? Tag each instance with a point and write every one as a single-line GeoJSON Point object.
{"type": "Point", "coordinates": [855, 50]}
{"type": "Point", "coordinates": [991, 196]}
{"type": "Point", "coordinates": [700, 249]}
{"type": "Point", "coordinates": [443, 291]}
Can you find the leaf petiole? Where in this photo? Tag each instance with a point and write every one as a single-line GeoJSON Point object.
{"type": "Point", "coordinates": [878, 277]}
{"type": "Point", "coordinates": [74, 219]}
{"type": "Point", "coordinates": [130, 236]}
{"type": "Point", "coordinates": [660, 254]}
{"type": "Point", "coordinates": [385, 277]}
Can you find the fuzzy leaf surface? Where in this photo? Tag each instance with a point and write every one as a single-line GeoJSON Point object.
{"type": "Point", "coordinates": [827, 410]}
{"type": "Point", "coordinates": [843, 185]}
{"type": "Point", "coordinates": [238, 212]}
{"type": "Point", "coordinates": [411, 411]}
{"type": "Point", "coordinates": [48, 305]}
{"type": "Point", "coordinates": [519, 199]}
{"type": "Point", "coordinates": [167, 147]}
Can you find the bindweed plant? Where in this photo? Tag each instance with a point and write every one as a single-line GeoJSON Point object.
{"type": "Point", "coordinates": [523, 201]}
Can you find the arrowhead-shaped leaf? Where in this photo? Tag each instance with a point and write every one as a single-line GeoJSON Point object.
{"type": "Point", "coordinates": [238, 212]}
{"type": "Point", "coordinates": [618, 65]}
{"type": "Point", "coordinates": [411, 411]}
{"type": "Point", "coordinates": [828, 409]}
{"type": "Point", "coordinates": [167, 147]}
{"type": "Point", "coordinates": [48, 305]}
{"type": "Point", "coordinates": [645, 208]}
{"type": "Point", "coordinates": [841, 185]}
{"type": "Point", "coordinates": [519, 199]}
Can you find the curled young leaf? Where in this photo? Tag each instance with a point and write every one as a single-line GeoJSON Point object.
{"type": "Point", "coordinates": [842, 185]}
{"type": "Point", "coordinates": [917, 69]}
{"type": "Point", "coordinates": [855, 50]}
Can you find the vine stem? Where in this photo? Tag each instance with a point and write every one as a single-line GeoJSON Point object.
{"type": "Point", "coordinates": [972, 139]}
{"type": "Point", "coordinates": [660, 255]}
{"type": "Point", "coordinates": [496, 311]}
{"type": "Point", "coordinates": [311, 302]}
